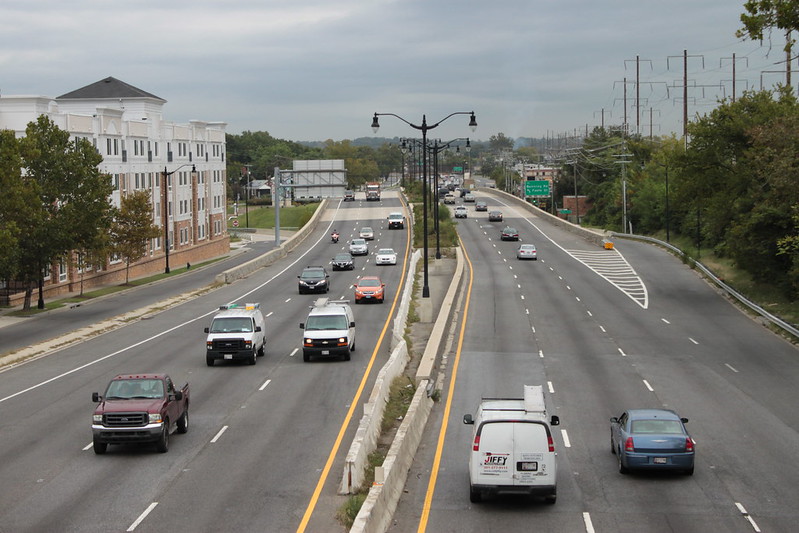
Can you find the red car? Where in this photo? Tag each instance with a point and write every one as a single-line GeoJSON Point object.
{"type": "Point", "coordinates": [369, 288]}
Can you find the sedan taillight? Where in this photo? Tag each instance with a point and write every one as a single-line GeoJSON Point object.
{"type": "Point", "coordinates": [689, 444]}
{"type": "Point", "coordinates": [628, 445]}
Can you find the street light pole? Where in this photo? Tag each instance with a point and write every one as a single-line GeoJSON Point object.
{"type": "Point", "coordinates": [423, 128]}
{"type": "Point", "coordinates": [165, 210]}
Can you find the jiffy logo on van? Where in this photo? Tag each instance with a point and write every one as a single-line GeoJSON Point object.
{"type": "Point", "coordinates": [495, 463]}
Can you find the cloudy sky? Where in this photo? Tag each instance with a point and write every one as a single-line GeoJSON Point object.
{"type": "Point", "coordinates": [319, 69]}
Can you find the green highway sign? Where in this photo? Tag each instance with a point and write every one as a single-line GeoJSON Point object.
{"type": "Point", "coordinates": [457, 169]}
{"type": "Point", "coordinates": [536, 188]}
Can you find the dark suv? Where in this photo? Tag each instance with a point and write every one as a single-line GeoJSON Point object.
{"type": "Point", "coordinates": [314, 279]}
{"type": "Point", "coordinates": [343, 261]}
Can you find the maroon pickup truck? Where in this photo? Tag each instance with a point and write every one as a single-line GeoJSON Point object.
{"type": "Point", "coordinates": [139, 408]}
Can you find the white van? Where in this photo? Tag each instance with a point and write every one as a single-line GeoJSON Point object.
{"type": "Point", "coordinates": [329, 330]}
{"type": "Point", "coordinates": [236, 332]}
{"type": "Point", "coordinates": [513, 451]}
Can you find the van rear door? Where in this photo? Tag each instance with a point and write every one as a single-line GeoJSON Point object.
{"type": "Point", "coordinates": [513, 453]}
{"type": "Point", "coordinates": [533, 454]}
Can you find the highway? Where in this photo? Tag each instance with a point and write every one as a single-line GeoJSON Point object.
{"type": "Point", "coordinates": [604, 331]}
{"type": "Point", "coordinates": [261, 438]}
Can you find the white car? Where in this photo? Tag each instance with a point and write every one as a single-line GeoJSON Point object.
{"type": "Point", "coordinates": [367, 233]}
{"type": "Point", "coordinates": [359, 247]}
{"type": "Point", "coordinates": [386, 256]}
{"type": "Point", "coordinates": [461, 212]}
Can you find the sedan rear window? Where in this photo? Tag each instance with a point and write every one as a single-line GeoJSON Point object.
{"type": "Point", "coordinates": [657, 427]}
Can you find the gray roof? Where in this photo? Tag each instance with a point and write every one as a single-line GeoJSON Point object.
{"type": "Point", "coordinates": [109, 88]}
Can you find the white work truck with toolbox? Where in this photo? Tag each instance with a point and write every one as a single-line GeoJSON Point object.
{"type": "Point", "coordinates": [513, 451]}
{"type": "Point", "coordinates": [237, 332]}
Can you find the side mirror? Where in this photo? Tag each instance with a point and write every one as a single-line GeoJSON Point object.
{"type": "Point", "coordinates": [177, 396]}
{"type": "Point", "coordinates": [614, 420]}
{"type": "Point", "coordinates": [96, 397]}
{"type": "Point", "coordinates": [257, 329]}
{"type": "Point", "coordinates": [298, 277]}
{"type": "Point", "coordinates": [205, 330]}
{"type": "Point", "coordinates": [684, 420]}
{"type": "Point", "coordinates": [302, 325]}
{"type": "Point", "coordinates": [352, 324]}
{"type": "Point", "coordinates": [467, 419]}
{"type": "Point", "coordinates": [554, 420]}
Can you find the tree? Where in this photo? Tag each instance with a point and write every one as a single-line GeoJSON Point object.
{"type": "Point", "coordinates": [12, 204]}
{"type": "Point", "coordinates": [133, 228]}
{"type": "Point", "coordinates": [499, 142]}
{"type": "Point", "coordinates": [762, 15]}
{"type": "Point", "coordinates": [68, 200]}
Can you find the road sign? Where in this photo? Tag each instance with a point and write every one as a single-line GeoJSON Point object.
{"type": "Point", "coordinates": [235, 223]}
{"type": "Point", "coordinates": [536, 188]}
{"type": "Point", "coordinates": [457, 169]}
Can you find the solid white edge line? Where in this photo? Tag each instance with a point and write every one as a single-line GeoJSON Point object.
{"type": "Point", "coordinates": [566, 442]}
{"type": "Point", "coordinates": [267, 382]}
{"type": "Point", "coordinates": [142, 516]}
{"type": "Point", "coordinates": [589, 526]}
{"type": "Point", "coordinates": [219, 434]}
{"type": "Point", "coordinates": [648, 386]}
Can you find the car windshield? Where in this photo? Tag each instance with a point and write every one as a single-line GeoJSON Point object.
{"type": "Point", "coordinates": [656, 427]}
{"type": "Point", "coordinates": [343, 257]}
{"type": "Point", "coordinates": [231, 325]}
{"type": "Point", "coordinates": [527, 247]}
{"type": "Point", "coordinates": [313, 274]}
{"type": "Point", "coordinates": [124, 389]}
{"type": "Point", "coordinates": [369, 283]}
{"type": "Point", "coordinates": [366, 230]}
{"type": "Point", "coordinates": [357, 242]}
{"type": "Point", "coordinates": [509, 230]}
{"type": "Point", "coordinates": [386, 251]}
{"type": "Point", "coordinates": [324, 322]}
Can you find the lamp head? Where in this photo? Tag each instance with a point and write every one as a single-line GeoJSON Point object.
{"type": "Point", "coordinates": [375, 124]}
{"type": "Point", "coordinates": [468, 146]}
{"type": "Point", "coordinates": [472, 121]}
{"type": "Point", "coordinates": [404, 147]}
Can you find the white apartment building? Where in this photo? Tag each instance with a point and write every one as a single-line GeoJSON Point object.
{"type": "Point", "coordinates": [126, 125]}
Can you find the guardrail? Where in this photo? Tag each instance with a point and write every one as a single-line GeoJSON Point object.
{"type": "Point", "coordinates": [777, 321]}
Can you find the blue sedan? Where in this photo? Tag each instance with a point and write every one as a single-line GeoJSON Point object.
{"type": "Point", "coordinates": [653, 439]}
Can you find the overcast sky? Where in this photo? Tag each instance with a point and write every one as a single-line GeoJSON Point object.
{"type": "Point", "coordinates": [319, 69]}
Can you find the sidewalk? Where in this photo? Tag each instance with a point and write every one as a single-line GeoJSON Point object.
{"type": "Point", "coordinates": [237, 247]}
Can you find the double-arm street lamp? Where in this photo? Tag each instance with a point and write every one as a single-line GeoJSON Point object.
{"type": "Point", "coordinates": [437, 148]}
{"type": "Point", "coordinates": [424, 127]}
{"type": "Point", "coordinates": [165, 209]}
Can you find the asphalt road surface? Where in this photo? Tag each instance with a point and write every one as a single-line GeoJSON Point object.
{"type": "Point", "coordinates": [597, 350]}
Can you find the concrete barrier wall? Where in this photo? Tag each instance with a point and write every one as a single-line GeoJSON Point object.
{"type": "Point", "coordinates": [378, 509]}
{"type": "Point", "coordinates": [428, 361]}
{"type": "Point", "coordinates": [244, 270]}
{"type": "Point", "coordinates": [595, 236]}
{"type": "Point", "coordinates": [365, 440]}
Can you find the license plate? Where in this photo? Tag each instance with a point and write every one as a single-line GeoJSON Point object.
{"type": "Point", "coordinates": [228, 356]}
{"type": "Point", "coordinates": [527, 466]}
{"type": "Point", "coordinates": [660, 460]}
{"type": "Point", "coordinates": [325, 352]}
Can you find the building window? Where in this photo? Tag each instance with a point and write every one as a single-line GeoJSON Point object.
{"type": "Point", "coordinates": [62, 272]}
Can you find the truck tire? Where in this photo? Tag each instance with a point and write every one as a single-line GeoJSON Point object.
{"type": "Point", "coordinates": [163, 442]}
{"type": "Point", "coordinates": [253, 358]}
{"type": "Point", "coordinates": [99, 447]}
{"type": "Point", "coordinates": [306, 357]}
{"type": "Point", "coordinates": [347, 356]}
{"type": "Point", "coordinates": [475, 496]}
{"type": "Point", "coordinates": [262, 349]}
{"type": "Point", "coordinates": [209, 360]}
{"type": "Point", "coordinates": [183, 422]}
{"type": "Point", "coordinates": [551, 498]}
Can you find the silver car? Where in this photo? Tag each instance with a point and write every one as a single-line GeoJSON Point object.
{"type": "Point", "coordinates": [527, 251]}
{"type": "Point", "coordinates": [367, 233]}
{"type": "Point", "coordinates": [359, 247]}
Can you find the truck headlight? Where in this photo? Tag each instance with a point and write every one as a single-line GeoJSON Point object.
{"type": "Point", "coordinates": [155, 418]}
{"type": "Point", "coordinates": [97, 419]}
